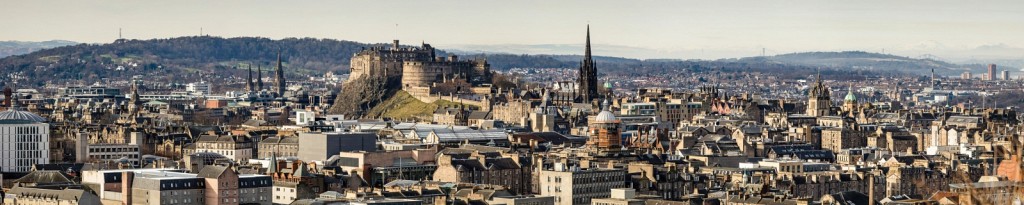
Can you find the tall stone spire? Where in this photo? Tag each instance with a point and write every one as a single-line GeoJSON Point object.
{"type": "Point", "coordinates": [259, 77]}
{"type": "Point", "coordinates": [248, 82]}
{"type": "Point", "coordinates": [587, 82]}
{"type": "Point", "coordinates": [587, 54]}
{"type": "Point", "coordinates": [279, 79]}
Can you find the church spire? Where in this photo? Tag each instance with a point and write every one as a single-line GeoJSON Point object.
{"type": "Point", "coordinates": [259, 77]}
{"type": "Point", "coordinates": [587, 82]}
{"type": "Point", "coordinates": [248, 82]}
{"type": "Point", "coordinates": [587, 52]}
{"type": "Point", "coordinates": [280, 75]}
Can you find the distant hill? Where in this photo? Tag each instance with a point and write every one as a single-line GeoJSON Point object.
{"type": "Point", "coordinates": [847, 60]}
{"type": "Point", "coordinates": [203, 57]}
{"type": "Point", "coordinates": [870, 61]}
{"type": "Point", "coordinates": [10, 48]}
{"type": "Point", "coordinates": [180, 58]}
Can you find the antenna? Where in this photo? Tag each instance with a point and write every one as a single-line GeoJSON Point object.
{"type": "Point", "coordinates": [200, 31]}
{"type": "Point", "coordinates": [119, 33]}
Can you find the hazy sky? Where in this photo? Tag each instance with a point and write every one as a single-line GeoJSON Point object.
{"type": "Point", "coordinates": [719, 28]}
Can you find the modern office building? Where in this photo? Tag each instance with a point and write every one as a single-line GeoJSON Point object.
{"type": "Point", "coordinates": [24, 140]}
{"type": "Point", "coordinates": [992, 70]}
{"type": "Point", "coordinates": [578, 186]}
{"type": "Point", "coordinates": [318, 146]}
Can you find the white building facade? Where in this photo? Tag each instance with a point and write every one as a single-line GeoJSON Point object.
{"type": "Point", "coordinates": [24, 140]}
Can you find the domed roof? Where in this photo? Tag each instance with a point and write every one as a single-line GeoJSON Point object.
{"type": "Point", "coordinates": [605, 117]}
{"type": "Point", "coordinates": [607, 84]}
{"type": "Point", "coordinates": [14, 114]}
{"type": "Point", "coordinates": [850, 96]}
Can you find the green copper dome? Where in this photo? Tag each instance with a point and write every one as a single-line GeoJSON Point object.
{"type": "Point", "coordinates": [607, 84]}
{"type": "Point", "coordinates": [850, 96]}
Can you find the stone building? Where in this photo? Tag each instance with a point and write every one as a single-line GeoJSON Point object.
{"type": "Point", "coordinates": [605, 131]}
{"type": "Point", "coordinates": [483, 166]}
{"type": "Point", "coordinates": [281, 146]}
{"type": "Point", "coordinates": [294, 181]}
{"type": "Point", "coordinates": [235, 147]}
{"type": "Point", "coordinates": [664, 181]}
{"type": "Point", "coordinates": [837, 139]}
{"type": "Point", "coordinates": [587, 80]}
{"type": "Point", "coordinates": [225, 186]}
{"type": "Point", "coordinates": [420, 69]}
{"type": "Point", "coordinates": [819, 99]}
{"type": "Point", "coordinates": [428, 73]}
{"type": "Point", "coordinates": [381, 167]}
{"type": "Point", "coordinates": [40, 196]}
{"type": "Point", "coordinates": [512, 112]}
{"type": "Point", "coordinates": [387, 62]}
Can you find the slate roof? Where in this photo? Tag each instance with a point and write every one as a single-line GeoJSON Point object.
{"type": "Point", "coordinates": [63, 194]}
{"type": "Point", "coordinates": [212, 171]}
{"type": "Point", "coordinates": [44, 177]}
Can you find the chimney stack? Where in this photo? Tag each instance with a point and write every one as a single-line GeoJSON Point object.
{"type": "Point", "coordinates": [126, 187]}
{"type": "Point", "coordinates": [871, 189]}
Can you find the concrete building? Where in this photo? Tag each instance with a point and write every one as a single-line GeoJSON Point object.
{"type": "Point", "coordinates": [992, 71]}
{"type": "Point", "coordinates": [304, 117]}
{"type": "Point", "coordinates": [638, 109]}
{"type": "Point", "coordinates": [523, 200]}
{"type": "Point", "coordinates": [198, 89]}
{"type": "Point", "coordinates": [89, 92]}
{"type": "Point", "coordinates": [24, 140]}
{"type": "Point", "coordinates": [577, 186]}
{"type": "Point", "coordinates": [211, 185]}
{"type": "Point", "coordinates": [318, 146]}
{"type": "Point", "coordinates": [621, 196]}
{"type": "Point", "coordinates": [380, 167]}
{"type": "Point", "coordinates": [166, 188]}
{"type": "Point", "coordinates": [118, 153]}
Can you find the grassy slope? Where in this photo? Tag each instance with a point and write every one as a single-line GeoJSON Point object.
{"type": "Point", "coordinates": [403, 106]}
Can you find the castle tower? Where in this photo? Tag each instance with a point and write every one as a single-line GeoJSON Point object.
{"type": "Point", "coordinates": [248, 82]}
{"type": "Point", "coordinates": [279, 80]}
{"type": "Point", "coordinates": [819, 100]}
{"type": "Point", "coordinates": [587, 82]}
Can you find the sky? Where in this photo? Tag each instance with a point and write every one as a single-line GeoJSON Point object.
{"type": "Point", "coordinates": [638, 29]}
